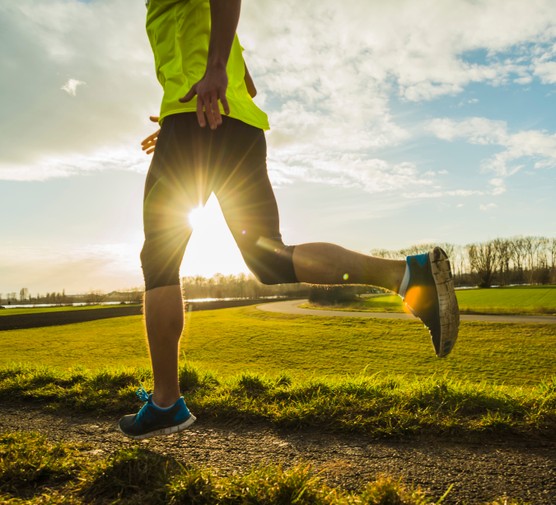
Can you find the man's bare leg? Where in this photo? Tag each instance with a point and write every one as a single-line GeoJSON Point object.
{"type": "Point", "coordinates": [322, 263]}
{"type": "Point", "coordinates": [164, 319]}
{"type": "Point", "coordinates": [164, 412]}
{"type": "Point", "coordinates": [428, 288]}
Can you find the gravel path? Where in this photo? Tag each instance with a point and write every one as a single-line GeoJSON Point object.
{"type": "Point", "coordinates": [479, 472]}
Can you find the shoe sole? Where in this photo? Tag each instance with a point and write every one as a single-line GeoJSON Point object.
{"type": "Point", "coordinates": [447, 301]}
{"type": "Point", "coordinates": [164, 431]}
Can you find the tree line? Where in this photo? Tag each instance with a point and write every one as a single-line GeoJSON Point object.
{"type": "Point", "coordinates": [92, 297]}
{"type": "Point", "coordinates": [501, 262]}
{"type": "Point", "coordinates": [237, 286]}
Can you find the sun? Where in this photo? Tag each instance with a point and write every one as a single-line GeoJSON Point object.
{"type": "Point", "coordinates": [212, 248]}
{"type": "Point", "coordinates": [197, 217]}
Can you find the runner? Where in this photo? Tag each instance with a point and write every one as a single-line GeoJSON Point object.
{"type": "Point", "coordinates": [212, 140]}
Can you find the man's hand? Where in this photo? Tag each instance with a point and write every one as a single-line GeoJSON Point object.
{"type": "Point", "coordinates": [149, 143]}
{"type": "Point", "coordinates": [209, 90]}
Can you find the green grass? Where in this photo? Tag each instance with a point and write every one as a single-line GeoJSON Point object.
{"type": "Point", "coordinates": [529, 300]}
{"type": "Point", "coordinates": [27, 460]}
{"type": "Point", "coordinates": [379, 378]}
{"type": "Point", "coordinates": [35, 471]}
{"type": "Point", "coordinates": [371, 303]}
{"type": "Point", "coordinates": [514, 300]}
{"type": "Point", "coordinates": [233, 341]}
{"type": "Point", "coordinates": [380, 406]}
{"type": "Point", "coordinates": [95, 344]}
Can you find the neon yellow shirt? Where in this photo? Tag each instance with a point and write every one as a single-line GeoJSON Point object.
{"type": "Point", "coordinates": [179, 33]}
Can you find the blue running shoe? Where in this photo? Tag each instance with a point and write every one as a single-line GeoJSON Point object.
{"type": "Point", "coordinates": [428, 291]}
{"type": "Point", "coordinates": [151, 420]}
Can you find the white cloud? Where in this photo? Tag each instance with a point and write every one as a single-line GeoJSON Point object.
{"type": "Point", "coordinates": [477, 130]}
{"type": "Point", "coordinates": [348, 170]}
{"type": "Point", "coordinates": [423, 46]}
{"type": "Point", "coordinates": [70, 87]}
{"type": "Point", "coordinates": [487, 207]}
{"type": "Point", "coordinates": [544, 64]}
{"type": "Point", "coordinates": [442, 193]}
{"type": "Point", "coordinates": [48, 46]}
{"type": "Point", "coordinates": [327, 71]}
{"type": "Point", "coordinates": [498, 186]}
{"type": "Point", "coordinates": [517, 148]}
{"type": "Point", "coordinates": [124, 158]}
{"type": "Point", "coordinates": [332, 94]}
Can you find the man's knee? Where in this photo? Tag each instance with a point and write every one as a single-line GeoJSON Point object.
{"type": "Point", "coordinates": [161, 266]}
{"type": "Point", "coordinates": [271, 262]}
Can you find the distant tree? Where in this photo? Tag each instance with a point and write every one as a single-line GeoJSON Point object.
{"type": "Point", "coordinates": [504, 254]}
{"type": "Point", "coordinates": [458, 260]}
{"type": "Point", "coordinates": [482, 260]}
{"type": "Point", "coordinates": [94, 296]}
{"type": "Point", "coordinates": [417, 249]}
{"type": "Point", "coordinates": [552, 249]}
{"type": "Point", "coordinates": [135, 295]}
{"type": "Point", "coordinates": [535, 253]}
{"type": "Point", "coordinates": [541, 271]}
{"type": "Point", "coordinates": [385, 253]}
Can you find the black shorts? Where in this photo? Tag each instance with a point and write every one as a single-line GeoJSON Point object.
{"type": "Point", "coordinates": [189, 164]}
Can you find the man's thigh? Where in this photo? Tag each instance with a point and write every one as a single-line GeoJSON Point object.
{"type": "Point", "coordinates": [243, 187]}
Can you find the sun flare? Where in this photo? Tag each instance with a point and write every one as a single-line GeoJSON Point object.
{"type": "Point", "coordinates": [197, 216]}
{"type": "Point", "coordinates": [212, 248]}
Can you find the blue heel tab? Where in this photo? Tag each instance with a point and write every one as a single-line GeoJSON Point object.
{"type": "Point", "coordinates": [421, 259]}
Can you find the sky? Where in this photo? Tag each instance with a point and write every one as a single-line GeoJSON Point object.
{"type": "Point", "coordinates": [392, 124]}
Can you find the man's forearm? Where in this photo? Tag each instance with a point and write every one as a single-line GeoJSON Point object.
{"type": "Point", "coordinates": [224, 15]}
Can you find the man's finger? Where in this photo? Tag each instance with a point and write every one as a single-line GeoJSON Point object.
{"type": "Point", "coordinates": [154, 119]}
{"type": "Point", "coordinates": [206, 107]}
{"type": "Point", "coordinates": [200, 114]}
{"type": "Point", "coordinates": [150, 137]}
{"type": "Point", "coordinates": [217, 118]}
{"type": "Point", "coordinates": [224, 101]}
{"type": "Point", "coordinates": [149, 147]}
{"type": "Point", "coordinates": [189, 95]}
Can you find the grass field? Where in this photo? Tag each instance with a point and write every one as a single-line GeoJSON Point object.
{"type": "Point", "coordinates": [233, 341]}
{"type": "Point", "coordinates": [377, 377]}
{"type": "Point", "coordinates": [513, 300]}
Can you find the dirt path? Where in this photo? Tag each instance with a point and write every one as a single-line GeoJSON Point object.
{"type": "Point", "coordinates": [293, 307]}
{"type": "Point", "coordinates": [479, 472]}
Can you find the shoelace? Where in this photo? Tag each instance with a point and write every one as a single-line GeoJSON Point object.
{"type": "Point", "coordinates": [142, 394]}
{"type": "Point", "coordinates": [144, 397]}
